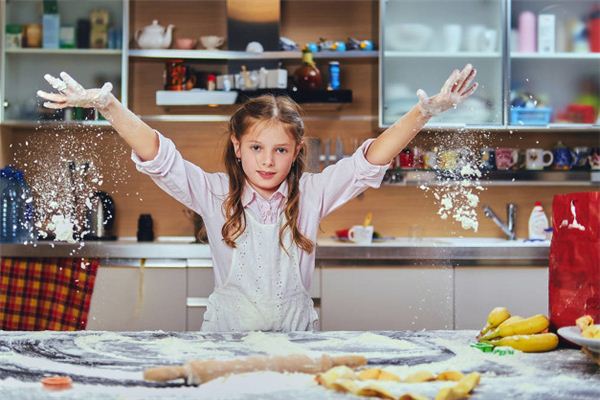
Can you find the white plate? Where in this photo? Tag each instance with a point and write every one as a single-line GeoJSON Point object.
{"type": "Point", "coordinates": [573, 334]}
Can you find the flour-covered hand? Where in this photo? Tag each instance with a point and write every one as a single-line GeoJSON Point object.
{"type": "Point", "coordinates": [72, 94]}
{"type": "Point", "coordinates": [456, 89]}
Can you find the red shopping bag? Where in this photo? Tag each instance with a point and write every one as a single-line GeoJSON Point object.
{"type": "Point", "coordinates": [574, 285]}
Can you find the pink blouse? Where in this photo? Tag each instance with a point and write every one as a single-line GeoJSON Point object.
{"type": "Point", "coordinates": [320, 194]}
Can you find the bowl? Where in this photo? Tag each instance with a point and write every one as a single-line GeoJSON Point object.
{"type": "Point", "coordinates": [408, 37]}
{"type": "Point", "coordinates": [185, 43]}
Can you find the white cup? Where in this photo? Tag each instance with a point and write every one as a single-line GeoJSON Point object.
{"type": "Point", "coordinates": [212, 42]}
{"type": "Point", "coordinates": [488, 41]}
{"type": "Point", "coordinates": [452, 37]}
{"type": "Point", "coordinates": [473, 37]}
{"type": "Point", "coordinates": [361, 234]}
{"type": "Point", "coordinates": [534, 159]}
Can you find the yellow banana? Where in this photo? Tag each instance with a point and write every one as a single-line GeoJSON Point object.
{"type": "Point", "coordinates": [527, 326]}
{"type": "Point", "coordinates": [495, 318]}
{"type": "Point", "coordinates": [511, 320]}
{"type": "Point", "coordinates": [529, 343]}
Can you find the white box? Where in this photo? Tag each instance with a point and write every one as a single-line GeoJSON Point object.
{"type": "Point", "coordinates": [277, 78]}
{"type": "Point", "coordinates": [194, 97]}
{"type": "Point", "coordinates": [546, 33]}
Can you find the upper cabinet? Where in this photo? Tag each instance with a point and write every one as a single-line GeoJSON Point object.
{"type": "Point", "coordinates": [538, 61]}
{"type": "Point", "coordinates": [84, 38]}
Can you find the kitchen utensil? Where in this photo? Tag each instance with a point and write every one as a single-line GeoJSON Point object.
{"type": "Point", "coordinates": [506, 158]}
{"type": "Point", "coordinates": [154, 36]}
{"type": "Point", "coordinates": [145, 231]}
{"type": "Point", "coordinates": [211, 42]}
{"type": "Point", "coordinates": [360, 234]}
{"type": "Point", "coordinates": [452, 36]}
{"type": "Point", "coordinates": [368, 219]}
{"type": "Point", "coordinates": [196, 372]}
{"type": "Point", "coordinates": [535, 159]}
{"type": "Point", "coordinates": [185, 43]}
{"type": "Point", "coordinates": [100, 218]}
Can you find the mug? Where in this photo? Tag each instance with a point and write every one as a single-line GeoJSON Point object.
{"type": "Point", "coordinates": [430, 160]}
{"type": "Point", "coordinates": [361, 234]}
{"type": "Point", "coordinates": [488, 39]}
{"type": "Point", "coordinates": [506, 158]}
{"type": "Point", "coordinates": [448, 160]}
{"type": "Point", "coordinates": [211, 42]}
{"type": "Point", "coordinates": [419, 158]}
{"type": "Point", "coordinates": [594, 158]}
{"type": "Point", "coordinates": [407, 159]}
{"type": "Point", "coordinates": [452, 37]}
{"type": "Point", "coordinates": [535, 159]}
{"type": "Point", "coordinates": [473, 37]}
{"type": "Point", "coordinates": [488, 159]}
{"type": "Point", "coordinates": [563, 157]}
{"type": "Point", "coordinates": [581, 155]}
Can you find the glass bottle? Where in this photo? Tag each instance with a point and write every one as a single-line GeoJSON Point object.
{"type": "Point", "coordinates": [308, 76]}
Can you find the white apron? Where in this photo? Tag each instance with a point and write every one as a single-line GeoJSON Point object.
{"type": "Point", "coordinates": [263, 291]}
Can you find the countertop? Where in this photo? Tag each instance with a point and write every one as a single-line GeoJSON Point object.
{"type": "Point", "coordinates": [109, 365]}
{"type": "Point", "coordinates": [440, 249]}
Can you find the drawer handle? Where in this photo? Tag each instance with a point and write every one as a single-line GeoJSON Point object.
{"type": "Point", "coordinates": [197, 302]}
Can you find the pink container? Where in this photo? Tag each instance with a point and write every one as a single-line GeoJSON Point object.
{"type": "Point", "coordinates": [527, 34]}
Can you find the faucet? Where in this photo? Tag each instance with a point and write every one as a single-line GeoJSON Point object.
{"type": "Point", "coordinates": [511, 216]}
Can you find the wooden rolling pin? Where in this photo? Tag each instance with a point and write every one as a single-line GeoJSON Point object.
{"type": "Point", "coordinates": [196, 372]}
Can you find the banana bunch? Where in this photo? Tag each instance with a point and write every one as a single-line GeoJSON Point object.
{"type": "Point", "coordinates": [525, 334]}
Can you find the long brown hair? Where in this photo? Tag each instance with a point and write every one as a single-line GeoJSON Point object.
{"type": "Point", "coordinates": [265, 108]}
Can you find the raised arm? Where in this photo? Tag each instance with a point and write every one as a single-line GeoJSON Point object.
{"type": "Point", "coordinates": [391, 142]}
{"type": "Point", "coordinates": [142, 139]}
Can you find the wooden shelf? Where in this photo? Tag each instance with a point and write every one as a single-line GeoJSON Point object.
{"type": "Point", "coordinates": [86, 52]}
{"type": "Point", "coordinates": [243, 55]}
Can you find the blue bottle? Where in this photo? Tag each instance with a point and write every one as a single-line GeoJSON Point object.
{"type": "Point", "coordinates": [10, 212]}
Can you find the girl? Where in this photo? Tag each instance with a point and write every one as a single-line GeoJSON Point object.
{"type": "Point", "coordinates": [262, 215]}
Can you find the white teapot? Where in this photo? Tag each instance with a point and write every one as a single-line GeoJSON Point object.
{"type": "Point", "coordinates": [154, 36]}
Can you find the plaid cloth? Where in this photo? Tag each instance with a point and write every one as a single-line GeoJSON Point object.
{"type": "Point", "coordinates": [46, 293]}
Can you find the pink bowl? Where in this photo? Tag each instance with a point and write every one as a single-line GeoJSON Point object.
{"type": "Point", "coordinates": [185, 43]}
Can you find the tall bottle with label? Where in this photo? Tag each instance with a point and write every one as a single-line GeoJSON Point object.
{"type": "Point", "coordinates": [308, 76]}
{"type": "Point", "coordinates": [538, 223]}
{"type": "Point", "coordinates": [10, 211]}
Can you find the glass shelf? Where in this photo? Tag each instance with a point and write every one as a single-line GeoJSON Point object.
{"type": "Point", "coordinates": [243, 55]}
{"type": "Point", "coordinates": [87, 52]}
{"type": "Point", "coordinates": [405, 177]}
{"type": "Point", "coordinates": [556, 56]}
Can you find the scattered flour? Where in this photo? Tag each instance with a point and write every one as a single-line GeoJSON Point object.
{"type": "Point", "coordinates": [274, 344]}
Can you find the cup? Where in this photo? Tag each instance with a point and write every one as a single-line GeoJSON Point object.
{"type": "Point", "coordinates": [488, 41]}
{"type": "Point", "coordinates": [473, 37]}
{"type": "Point", "coordinates": [448, 160]}
{"type": "Point", "coordinates": [581, 154]}
{"type": "Point", "coordinates": [33, 35]}
{"type": "Point", "coordinates": [563, 157]}
{"type": "Point", "coordinates": [211, 42]}
{"type": "Point", "coordinates": [419, 158]}
{"type": "Point", "coordinates": [594, 158]}
{"type": "Point", "coordinates": [407, 159]}
{"type": "Point", "coordinates": [534, 159]}
{"type": "Point", "coordinates": [452, 37]}
{"type": "Point", "coordinates": [488, 159]}
{"type": "Point", "coordinates": [506, 158]}
{"type": "Point", "coordinates": [430, 160]}
{"type": "Point", "coordinates": [361, 234]}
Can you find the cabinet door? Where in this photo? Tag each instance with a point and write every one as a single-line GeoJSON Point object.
{"type": "Point", "coordinates": [386, 298]}
{"type": "Point", "coordinates": [523, 290]}
{"type": "Point", "coordinates": [118, 304]}
{"type": "Point", "coordinates": [423, 41]}
{"type": "Point", "coordinates": [553, 62]}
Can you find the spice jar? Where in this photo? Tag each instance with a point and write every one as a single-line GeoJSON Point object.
{"type": "Point", "coordinates": [14, 36]}
{"type": "Point", "coordinates": [33, 35]}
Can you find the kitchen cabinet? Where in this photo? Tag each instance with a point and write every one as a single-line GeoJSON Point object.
{"type": "Point", "coordinates": [200, 284]}
{"type": "Point", "coordinates": [22, 69]}
{"type": "Point", "coordinates": [477, 290]}
{"type": "Point", "coordinates": [386, 298]}
{"type": "Point", "coordinates": [423, 41]}
{"type": "Point", "coordinates": [134, 298]}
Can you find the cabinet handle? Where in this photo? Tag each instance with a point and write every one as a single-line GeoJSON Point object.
{"type": "Point", "coordinates": [197, 302]}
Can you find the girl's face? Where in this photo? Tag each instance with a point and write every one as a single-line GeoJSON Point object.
{"type": "Point", "coordinates": [267, 152]}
